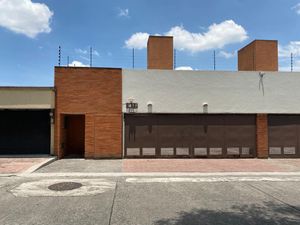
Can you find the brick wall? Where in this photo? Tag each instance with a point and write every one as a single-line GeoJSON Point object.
{"type": "Point", "coordinates": [97, 94]}
{"type": "Point", "coordinates": [259, 55]}
{"type": "Point", "coordinates": [160, 52]}
{"type": "Point", "coordinates": [262, 135]}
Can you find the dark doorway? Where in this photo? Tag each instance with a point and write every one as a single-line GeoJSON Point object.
{"type": "Point", "coordinates": [74, 125]}
{"type": "Point", "coordinates": [24, 132]}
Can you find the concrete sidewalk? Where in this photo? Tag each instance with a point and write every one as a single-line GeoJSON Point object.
{"type": "Point", "coordinates": [24, 164]}
{"type": "Point", "coordinates": [211, 165]}
{"type": "Point", "coordinates": [172, 166]}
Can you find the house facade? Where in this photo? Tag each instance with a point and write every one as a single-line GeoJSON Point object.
{"type": "Point", "coordinates": [161, 112]}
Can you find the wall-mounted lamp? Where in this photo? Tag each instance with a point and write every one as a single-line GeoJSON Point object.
{"type": "Point", "coordinates": [149, 106]}
{"type": "Point", "coordinates": [205, 107]}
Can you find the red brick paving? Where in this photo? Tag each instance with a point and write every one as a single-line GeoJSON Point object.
{"type": "Point", "coordinates": [17, 165]}
{"type": "Point", "coordinates": [211, 165]}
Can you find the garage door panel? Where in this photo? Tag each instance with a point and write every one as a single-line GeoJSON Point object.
{"type": "Point", "coordinates": [24, 132]}
{"type": "Point", "coordinates": [174, 135]}
{"type": "Point", "coordinates": [140, 135]}
{"type": "Point", "coordinates": [284, 134]}
{"type": "Point", "coordinates": [192, 135]}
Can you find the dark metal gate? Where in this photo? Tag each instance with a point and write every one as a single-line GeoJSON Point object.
{"type": "Point", "coordinates": [189, 135]}
{"type": "Point", "coordinates": [24, 132]}
{"type": "Point", "coordinates": [284, 136]}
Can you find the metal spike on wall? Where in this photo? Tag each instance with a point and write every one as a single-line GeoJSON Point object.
{"type": "Point", "coordinates": [133, 58]}
{"type": "Point", "coordinates": [214, 60]}
{"type": "Point", "coordinates": [68, 61]}
{"type": "Point", "coordinates": [59, 55]}
{"type": "Point", "coordinates": [292, 59]}
{"type": "Point", "coordinates": [91, 56]}
{"type": "Point", "coordinates": [174, 59]}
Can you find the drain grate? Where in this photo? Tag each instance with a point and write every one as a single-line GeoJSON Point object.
{"type": "Point", "coordinates": [64, 186]}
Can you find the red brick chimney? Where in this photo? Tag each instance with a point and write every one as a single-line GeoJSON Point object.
{"type": "Point", "coordinates": [259, 55]}
{"type": "Point", "coordinates": [160, 52]}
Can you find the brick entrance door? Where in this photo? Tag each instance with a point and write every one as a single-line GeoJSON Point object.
{"type": "Point", "coordinates": [74, 128]}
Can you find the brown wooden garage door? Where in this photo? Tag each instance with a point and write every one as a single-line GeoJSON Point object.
{"type": "Point", "coordinates": [182, 135]}
{"type": "Point", "coordinates": [284, 135]}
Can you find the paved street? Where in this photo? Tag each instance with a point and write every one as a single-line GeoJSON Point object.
{"type": "Point", "coordinates": [27, 200]}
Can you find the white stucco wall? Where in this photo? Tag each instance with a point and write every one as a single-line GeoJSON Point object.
{"type": "Point", "coordinates": [225, 92]}
{"type": "Point", "coordinates": [26, 98]}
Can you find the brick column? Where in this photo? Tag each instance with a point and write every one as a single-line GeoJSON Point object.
{"type": "Point", "coordinates": [89, 146]}
{"type": "Point", "coordinates": [262, 145]}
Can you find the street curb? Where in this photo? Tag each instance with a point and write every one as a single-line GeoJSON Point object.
{"type": "Point", "coordinates": [38, 166]}
{"type": "Point", "coordinates": [172, 174]}
{"type": "Point", "coordinates": [8, 175]}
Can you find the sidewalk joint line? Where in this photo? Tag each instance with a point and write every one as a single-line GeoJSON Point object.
{"type": "Point", "coordinates": [113, 202]}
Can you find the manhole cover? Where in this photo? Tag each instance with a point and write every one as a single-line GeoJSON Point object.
{"type": "Point", "coordinates": [65, 186]}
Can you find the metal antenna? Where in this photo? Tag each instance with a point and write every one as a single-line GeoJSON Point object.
{"type": "Point", "coordinates": [59, 55]}
{"type": "Point", "coordinates": [133, 58]}
{"type": "Point", "coordinates": [174, 58]}
{"type": "Point", "coordinates": [68, 61]}
{"type": "Point", "coordinates": [91, 56]}
{"type": "Point", "coordinates": [292, 62]}
{"type": "Point", "coordinates": [214, 60]}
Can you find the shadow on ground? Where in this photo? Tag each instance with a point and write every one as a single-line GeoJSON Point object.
{"type": "Point", "coordinates": [269, 213]}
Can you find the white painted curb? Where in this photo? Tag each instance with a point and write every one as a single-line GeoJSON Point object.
{"type": "Point", "coordinates": [120, 174]}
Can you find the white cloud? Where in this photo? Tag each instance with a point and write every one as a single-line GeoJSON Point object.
{"type": "Point", "coordinates": [81, 51]}
{"type": "Point", "coordinates": [96, 53]}
{"type": "Point", "coordinates": [123, 13]}
{"type": "Point", "coordinates": [284, 53]}
{"type": "Point", "coordinates": [184, 68]}
{"type": "Point", "coordinates": [287, 66]}
{"type": "Point", "coordinates": [86, 51]}
{"type": "Point", "coordinates": [286, 50]}
{"type": "Point", "coordinates": [25, 17]}
{"type": "Point", "coordinates": [217, 36]}
{"type": "Point", "coordinates": [76, 63]}
{"type": "Point", "coordinates": [84, 58]}
{"type": "Point", "coordinates": [137, 41]}
{"type": "Point", "coordinates": [296, 8]}
{"type": "Point", "coordinates": [226, 55]}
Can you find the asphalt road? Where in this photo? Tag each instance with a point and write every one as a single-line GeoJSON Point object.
{"type": "Point", "coordinates": [149, 201]}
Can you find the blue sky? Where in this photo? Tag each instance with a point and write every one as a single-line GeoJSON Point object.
{"type": "Point", "coordinates": [32, 30]}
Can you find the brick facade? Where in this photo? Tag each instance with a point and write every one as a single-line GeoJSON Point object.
{"type": "Point", "coordinates": [160, 52]}
{"type": "Point", "coordinates": [262, 135]}
{"type": "Point", "coordinates": [259, 55]}
{"type": "Point", "coordinates": [95, 93]}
